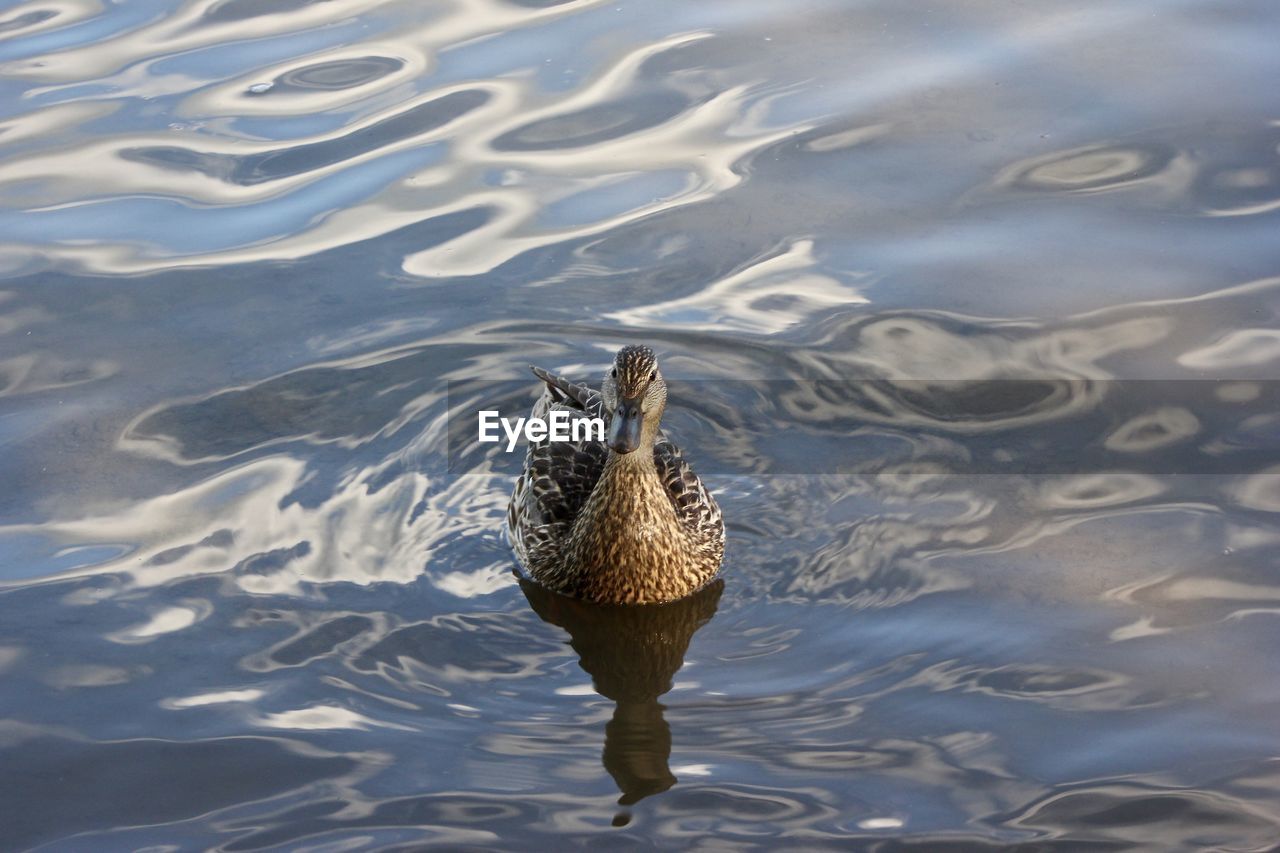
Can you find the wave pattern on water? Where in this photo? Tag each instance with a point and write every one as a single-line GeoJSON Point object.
{"type": "Point", "coordinates": [914, 280]}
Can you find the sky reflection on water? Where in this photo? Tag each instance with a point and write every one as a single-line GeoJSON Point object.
{"type": "Point", "coordinates": [248, 599]}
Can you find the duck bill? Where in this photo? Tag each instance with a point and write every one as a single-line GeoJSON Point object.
{"type": "Point", "coordinates": [626, 426]}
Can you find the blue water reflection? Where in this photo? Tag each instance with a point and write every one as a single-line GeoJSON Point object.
{"type": "Point", "coordinates": [970, 315]}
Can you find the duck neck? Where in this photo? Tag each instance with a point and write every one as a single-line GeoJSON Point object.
{"type": "Point", "coordinates": [628, 498]}
{"type": "Point", "coordinates": [636, 463]}
{"type": "Point", "coordinates": [627, 482]}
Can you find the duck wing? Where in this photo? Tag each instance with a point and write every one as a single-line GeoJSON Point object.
{"type": "Point", "coordinates": [560, 475]}
{"type": "Point", "coordinates": [693, 503]}
{"type": "Point", "coordinates": [573, 396]}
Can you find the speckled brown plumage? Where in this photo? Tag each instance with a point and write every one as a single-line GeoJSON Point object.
{"type": "Point", "coordinates": [629, 527]}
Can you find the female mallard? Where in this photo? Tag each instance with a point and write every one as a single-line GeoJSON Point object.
{"type": "Point", "coordinates": [625, 520]}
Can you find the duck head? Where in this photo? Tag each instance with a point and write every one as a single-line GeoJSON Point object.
{"type": "Point", "coordinates": [634, 395]}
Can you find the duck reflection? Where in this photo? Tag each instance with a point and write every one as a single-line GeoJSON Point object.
{"type": "Point", "coordinates": [632, 653]}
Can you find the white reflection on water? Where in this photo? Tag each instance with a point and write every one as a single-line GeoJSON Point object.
{"type": "Point", "coordinates": [773, 294]}
{"type": "Point", "coordinates": [246, 243]}
{"type": "Point", "coordinates": [215, 698]}
{"type": "Point", "coordinates": [323, 717]}
{"type": "Point", "coordinates": [1237, 348]}
{"type": "Point", "coordinates": [164, 621]}
{"type": "Point", "coordinates": [1261, 491]}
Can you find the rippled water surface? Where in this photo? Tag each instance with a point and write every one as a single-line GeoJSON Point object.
{"type": "Point", "coordinates": [970, 311]}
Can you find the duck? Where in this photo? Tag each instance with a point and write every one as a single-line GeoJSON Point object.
{"type": "Point", "coordinates": [618, 520]}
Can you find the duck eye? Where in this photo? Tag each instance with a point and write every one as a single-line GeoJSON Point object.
{"type": "Point", "coordinates": [653, 374]}
{"type": "Point", "coordinates": [613, 372]}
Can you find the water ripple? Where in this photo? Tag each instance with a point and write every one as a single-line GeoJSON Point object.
{"type": "Point", "coordinates": [969, 321]}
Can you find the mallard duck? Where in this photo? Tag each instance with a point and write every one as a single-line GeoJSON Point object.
{"type": "Point", "coordinates": [624, 520]}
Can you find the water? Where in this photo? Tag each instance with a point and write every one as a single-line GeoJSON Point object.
{"type": "Point", "coordinates": [248, 601]}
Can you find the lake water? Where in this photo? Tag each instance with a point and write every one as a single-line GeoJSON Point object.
{"type": "Point", "coordinates": [970, 311]}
